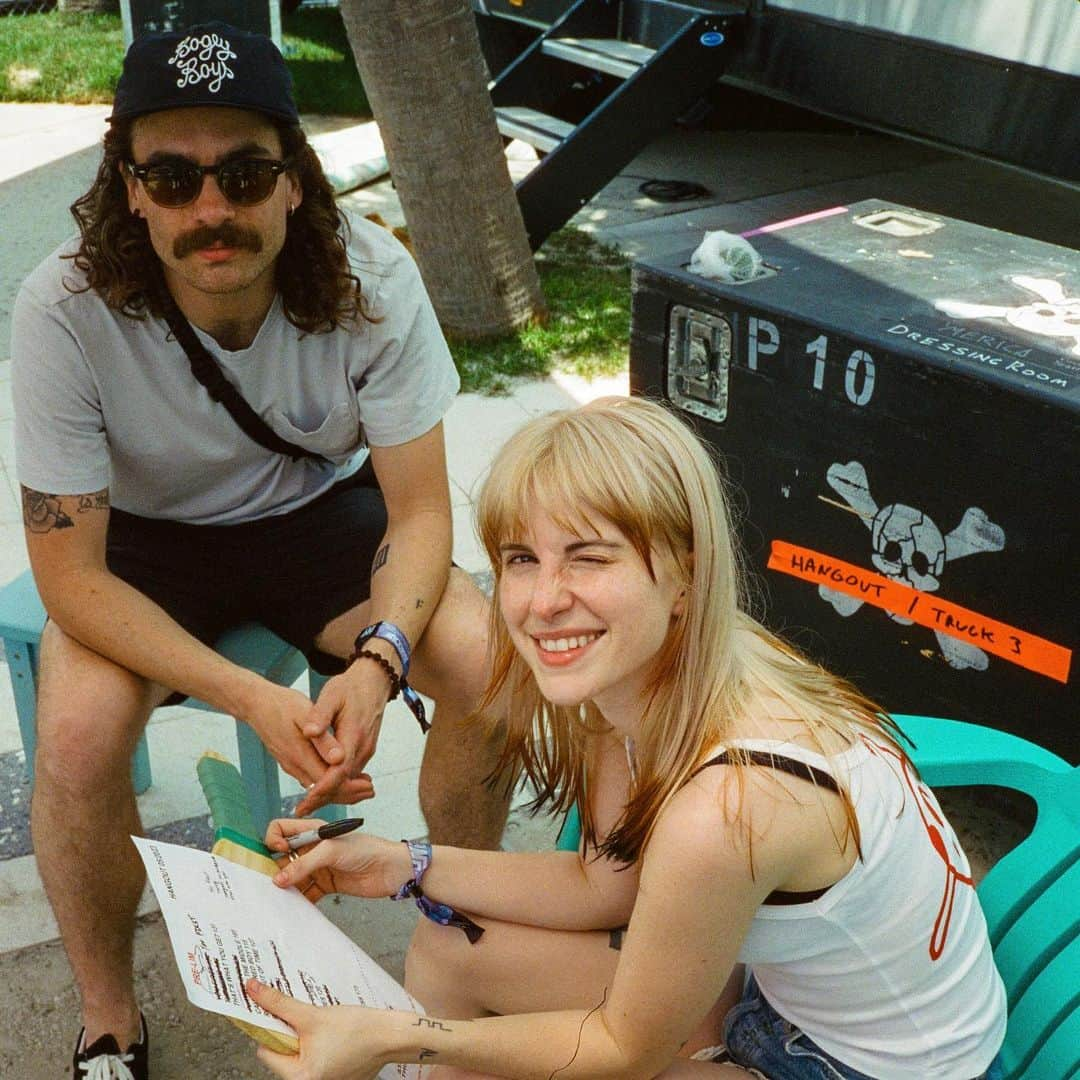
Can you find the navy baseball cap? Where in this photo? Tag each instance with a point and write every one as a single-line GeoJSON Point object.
{"type": "Point", "coordinates": [209, 64]}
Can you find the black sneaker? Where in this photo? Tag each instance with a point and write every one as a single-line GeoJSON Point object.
{"type": "Point", "coordinates": [103, 1059]}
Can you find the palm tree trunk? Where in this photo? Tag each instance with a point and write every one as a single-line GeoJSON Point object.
{"type": "Point", "coordinates": [426, 79]}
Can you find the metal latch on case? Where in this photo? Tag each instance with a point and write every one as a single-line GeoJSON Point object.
{"type": "Point", "coordinates": [699, 356]}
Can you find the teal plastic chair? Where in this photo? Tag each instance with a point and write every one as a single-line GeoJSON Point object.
{"type": "Point", "coordinates": [22, 619]}
{"type": "Point", "coordinates": [569, 838]}
{"type": "Point", "coordinates": [1031, 897]}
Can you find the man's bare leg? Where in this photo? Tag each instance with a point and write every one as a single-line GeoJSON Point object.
{"type": "Point", "coordinates": [90, 715]}
{"type": "Point", "coordinates": [450, 665]}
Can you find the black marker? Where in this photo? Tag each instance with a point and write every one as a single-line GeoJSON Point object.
{"type": "Point", "coordinates": [323, 832]}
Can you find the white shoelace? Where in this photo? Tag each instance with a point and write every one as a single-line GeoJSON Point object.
{"type": "Point", "coordinates": [108, 1067]}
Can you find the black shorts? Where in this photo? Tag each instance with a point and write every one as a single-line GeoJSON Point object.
{"type": "Point", "coordinates": [293, 572]}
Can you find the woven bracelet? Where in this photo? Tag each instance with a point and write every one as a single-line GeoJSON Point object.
{"type": "Point", "coordinates": [391, 674]}
{"type": "Point", "coordinates": [420, 856]}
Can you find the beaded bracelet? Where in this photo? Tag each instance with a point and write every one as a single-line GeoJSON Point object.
{"type": "Point", "coordinates": [393, 635]}
{"type": "Point", "coordinates": [420, 856]}
{"type": "Point", "coordinates": [387, 631]}
{"type": "Point", "coordinates": [391, 674]}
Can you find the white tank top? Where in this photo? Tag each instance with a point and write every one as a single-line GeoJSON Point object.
{"type": "Point", "coordinates": [891, 969]}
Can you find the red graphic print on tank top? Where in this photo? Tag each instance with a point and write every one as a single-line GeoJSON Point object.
{"type": "Point", "coordinates": [936, 829]}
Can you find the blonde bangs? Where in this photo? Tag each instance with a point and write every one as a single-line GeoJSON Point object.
{"type": "Point", "coordinates": [574, 467]}
{"type": "Point", "coordinates": [636, 465]}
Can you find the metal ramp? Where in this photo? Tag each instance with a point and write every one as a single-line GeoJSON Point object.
{"type": "Point", "coordinates": [597, 85]}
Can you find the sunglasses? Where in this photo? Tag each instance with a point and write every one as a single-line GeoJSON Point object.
{"type": "Point", "coordinates": [244, 182]}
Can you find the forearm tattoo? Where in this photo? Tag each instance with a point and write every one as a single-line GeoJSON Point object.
{"type": "Point", "coordinates": [435, 1025]}
{"type": "Point", "coordinates": [426, 1053]}
{"type": "Point", "coordinates": [43, 512]}
{"type": "Point", "coordinates": [380, 559]}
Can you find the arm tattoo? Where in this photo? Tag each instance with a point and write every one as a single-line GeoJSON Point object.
{"type": "Point", "coordinates": [380, 559]}
{"type": "Point", "coordinates": [425, 1053]}
{"type": "Point", "coordinates": [43, 512]}
{"type": "Point", "coordinates": [435, 1025]}
{"type": "Point", "coordinates": [419, 604]}
{"type": "Point", "coordinates": [99, 500]}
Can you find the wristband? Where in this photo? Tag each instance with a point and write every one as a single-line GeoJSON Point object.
{"type": "Point", "coordinates": [387, 631]}
{"type": "Point", "coordinates": [420, 856]}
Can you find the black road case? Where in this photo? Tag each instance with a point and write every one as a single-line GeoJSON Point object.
{"type": "Point", "coordinates": [898, 396]}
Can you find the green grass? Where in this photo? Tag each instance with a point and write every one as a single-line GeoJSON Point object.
{"type": "Point", "coordinates": [60, 57]}
{"type": "Point", "coordinates": [76, 59]}
{"type": "Point", "coordinates": [587, 287]}
{"type": "Point", "coordinates": [321, 62]}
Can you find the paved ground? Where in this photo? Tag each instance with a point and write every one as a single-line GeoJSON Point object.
{"type": "Point", "coordinates": [48, 157]}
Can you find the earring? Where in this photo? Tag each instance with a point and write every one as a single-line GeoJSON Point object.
{"type": "Point", "coordinates": [292, 209]}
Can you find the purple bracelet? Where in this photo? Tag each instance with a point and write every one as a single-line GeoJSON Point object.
{"type": "Point", "coordinates": [420, 856]}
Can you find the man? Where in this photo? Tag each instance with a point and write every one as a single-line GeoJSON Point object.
{"type": "Point", "coordinates": [154, 521]}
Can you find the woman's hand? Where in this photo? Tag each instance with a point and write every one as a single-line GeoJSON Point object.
{"type": "Point", "coordinates": [336, 1041]}
{"type": "Point", "coordinates": [356, 864]}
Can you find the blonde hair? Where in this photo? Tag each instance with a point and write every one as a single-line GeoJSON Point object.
{"type": "Point", "coordinates": [634, 463]}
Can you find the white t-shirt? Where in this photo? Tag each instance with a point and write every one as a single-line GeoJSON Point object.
{"type": "Point", "coordinates": [891, 969]}
{"type": "Point", "coordinates": [103, 400]}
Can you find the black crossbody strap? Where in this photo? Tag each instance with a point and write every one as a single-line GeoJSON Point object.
{"type": "Point", "coordinates": [205, 368]}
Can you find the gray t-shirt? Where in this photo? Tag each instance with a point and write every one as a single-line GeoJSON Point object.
{"type": "Point", "coordinates": [105, 400]}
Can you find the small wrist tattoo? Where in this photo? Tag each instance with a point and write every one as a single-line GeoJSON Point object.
{"type": "Point", "coordinates": [427, 1022]}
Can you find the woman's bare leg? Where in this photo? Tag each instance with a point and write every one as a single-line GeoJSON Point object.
{"type": "Point", "coordinates": [521, 969]}
{"type": "Point", "coordinates": [681, 1069]}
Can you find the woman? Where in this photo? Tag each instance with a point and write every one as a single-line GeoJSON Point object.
{"type": "Point", "coordinates": [789, 889]}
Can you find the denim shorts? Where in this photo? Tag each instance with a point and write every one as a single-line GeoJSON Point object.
{"type": "Point", "coordinates": [758, 1037]}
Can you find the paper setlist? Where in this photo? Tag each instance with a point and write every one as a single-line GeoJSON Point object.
{"type": "Point", "coordinates": [228, 924]}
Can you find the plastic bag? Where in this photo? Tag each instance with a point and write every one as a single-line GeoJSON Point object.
{"type": "Point", "coordinates": [725, 257]}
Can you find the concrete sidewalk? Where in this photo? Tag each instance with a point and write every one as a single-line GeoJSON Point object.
{"type": "Point", "coordinates": [48, 156]}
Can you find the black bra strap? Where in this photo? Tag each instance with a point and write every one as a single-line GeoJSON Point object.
{"type": "Point", "coordinates": [205, 368]}
{"type": "Point", "coordinates": [795, 768]}
{"type": "Point", "coordinates": [778, 761]}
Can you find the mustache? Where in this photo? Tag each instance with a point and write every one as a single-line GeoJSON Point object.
{"type": "Point", "coordinates": [228, 234]}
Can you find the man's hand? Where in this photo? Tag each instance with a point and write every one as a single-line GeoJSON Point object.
{"type": "Point", "coordinates": [278, 715]}
{"type": "Point", "coordinates": [351, 705]}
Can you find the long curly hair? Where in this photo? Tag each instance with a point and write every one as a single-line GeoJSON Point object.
{"type": "Point", "coordinates": [318, 289]}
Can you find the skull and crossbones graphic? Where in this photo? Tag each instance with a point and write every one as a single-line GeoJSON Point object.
{"type": "Point", "coordinates": [1053, 315]}
{"type": "Point", "coordinates": [910, 548]}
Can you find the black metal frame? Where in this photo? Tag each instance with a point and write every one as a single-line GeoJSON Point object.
{"type": "Point", "coordinates": [615, 118]}
{"type": "Point", "coordinates": [1012, 112]}
{"type": "Point", "coordinates": [1007, 111]}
